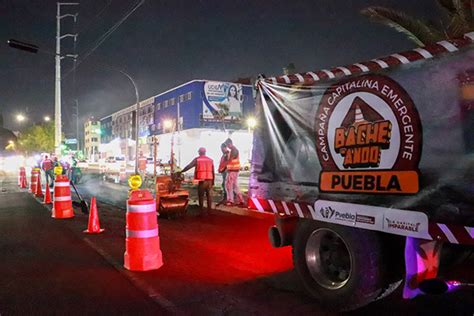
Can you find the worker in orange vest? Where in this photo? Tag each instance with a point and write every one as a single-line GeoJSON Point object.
{"type": "Point", "coordinates": [232, 179]}
{"type": "Point", "coordinates": [48, 167]}
{"type": "Point", "coordinates": [204, 174]}
{"type": "Point", "coordinates": [223, 171]}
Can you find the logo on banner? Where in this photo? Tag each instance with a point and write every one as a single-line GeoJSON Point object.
{"type": "Point", "coordinates": [403, 225]}
{"type": "Point", "coordinates": [327, 212]}
{"type": "Point", "coordinates": [369, 137]}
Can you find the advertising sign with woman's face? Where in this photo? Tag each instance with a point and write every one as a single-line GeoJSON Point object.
{"type": "Point", "coordinates": [222, 101]}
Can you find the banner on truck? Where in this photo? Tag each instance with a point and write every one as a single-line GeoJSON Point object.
{"type": "Point", "coordinates": [370, 137]}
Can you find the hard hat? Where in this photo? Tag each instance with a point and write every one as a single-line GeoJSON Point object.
{"type": "Point", "coordinates": [202, 150]}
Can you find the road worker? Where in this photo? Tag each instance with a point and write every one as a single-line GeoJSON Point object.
{"type": "Point", "coordinates": [223, 171]}
{"type": "Point", "coordinates": [232, 179]}
{"type": "Point", "coordinates": [48, 167]}
{"type": "Point", "coordinates": [204, 174]}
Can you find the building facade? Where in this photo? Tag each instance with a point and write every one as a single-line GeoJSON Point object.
{"type": "Point", "coordinates": [106, 129]}
{"type": "Point", "coordinates": [203, 104]}
{"type": "Point", "coordinates": [92, 139]}
{"type": "Point", "coordinates": [193, 111]}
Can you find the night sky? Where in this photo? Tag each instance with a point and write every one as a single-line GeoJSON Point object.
{"type": "Point", "coordinates": [167, 43]}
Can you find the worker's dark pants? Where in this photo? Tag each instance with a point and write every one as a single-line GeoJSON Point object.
{"type": "Point", "coordinates": [49, 175]}
{"type": "Point", "coordinates": [205, 186]}
{"type": "Point", "coordinates": [224, 191]}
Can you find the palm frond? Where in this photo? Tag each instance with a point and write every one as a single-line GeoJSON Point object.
{"type": "Point", "coordinates": [447, 5]}
{"type": "Point", "coordinates": [415, 29]}
{"type": "Point", "coordinates": [462, 11]}
{"type": "Point", "coordinates": [457, 26]}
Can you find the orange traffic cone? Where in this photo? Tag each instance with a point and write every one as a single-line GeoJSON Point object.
{"type": "Point", "coordinates": [94, 226]}
{"type": "Point", "coordinates": [47, 194]}
{"type": "Point", "coordinates": [39, 190]}
{"type": "Point", "coordinates": [23, 183]}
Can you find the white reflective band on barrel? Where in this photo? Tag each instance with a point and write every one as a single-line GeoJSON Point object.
{"type": "Point", "coordinates": [61, 184]}
{"type": "Point", "coordinates": [62, 198]}
{"type": "Point", "coordinates": [147, 208]}
{"type": "Point", "coordinates": [141, 233]}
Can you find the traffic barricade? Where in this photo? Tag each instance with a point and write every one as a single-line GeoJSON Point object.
{"type": "Point", "coordinates": [22, 178]}
{"type": "Point", "coordinates": [33, 181]}
{"type": "Point", "coordinates": [62, 202]}
{"type": "Point", "coordinates": [142, 243]}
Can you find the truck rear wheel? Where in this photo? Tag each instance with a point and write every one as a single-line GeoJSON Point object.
{"type": "Point", "coordinates": [341, 267]}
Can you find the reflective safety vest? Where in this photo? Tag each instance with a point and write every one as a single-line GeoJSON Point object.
{"type": "Point", "coordinates": [142, 163]}
{"type": "Point", "coordinates": [47, 164]}
{"type": "Point", "coordinates": [203, 170]}
{"type": "Point", "coordinates": [223, 164]}
{"type": "Point", "coordinates": [233, 164]}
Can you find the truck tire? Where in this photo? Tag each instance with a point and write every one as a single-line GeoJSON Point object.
{"type": "Point", "coordinates": [341, 267]}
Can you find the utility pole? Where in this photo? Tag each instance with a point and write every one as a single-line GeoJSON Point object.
{"type": "Point", "coordinates": [76, 114]}
{"type": "Point", "coordinates": [178, 125]}
{"type": "Point", "coordinates": [57, 96]}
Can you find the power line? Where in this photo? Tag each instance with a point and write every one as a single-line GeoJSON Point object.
{"type": "Point", "coordinates": [92, 21]}
{"type": "Point", "coordinates": [137, 5]}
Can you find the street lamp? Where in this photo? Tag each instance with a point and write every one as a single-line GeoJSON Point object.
{"type": "Point", "coordinates": [34, 49]}
{"type": "Point", "coordinates": [167, 124]}
{"type": "Point", "coordinates": [11, 145]}
{"type": "Point", "coordinates": [251, 123]}
{"type": "Point", "coordinates": [47, 118]}
{"type": "Point", "coordinates": [28, 47]}
{"type": "Point", "coordinates": [20, 118]}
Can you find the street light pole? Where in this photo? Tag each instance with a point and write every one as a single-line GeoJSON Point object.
{"type": "Point", "coordinates": [57, 94]}
{"type": "Point", "coordinates": [178, 128]}
{"type": "Point", "coordinates": [57, 91]}
{"type": "Point", "coordinates": [136, 116]}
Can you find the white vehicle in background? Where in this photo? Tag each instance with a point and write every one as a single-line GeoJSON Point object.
{"type": "Point", "coordinates": [11, 163]}
{"type": "Point", "coordinates": [83, 164]}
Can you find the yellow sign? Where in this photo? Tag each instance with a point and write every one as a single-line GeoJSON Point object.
{"type": "Point", "coordinates": [58, 170]}
{"type": "Point", "coordinates": [134, 182]}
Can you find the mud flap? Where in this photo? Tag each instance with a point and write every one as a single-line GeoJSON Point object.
{"type": "Point", "coordinates": [421, 263]}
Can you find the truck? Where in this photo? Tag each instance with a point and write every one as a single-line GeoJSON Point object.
{"type": "Point", "coordinates": [369, 171]}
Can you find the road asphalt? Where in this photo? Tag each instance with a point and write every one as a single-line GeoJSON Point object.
{"type": "Point", "coordinates": [221, 264]}
{"type": "Point", "coordinates": [48, 270]}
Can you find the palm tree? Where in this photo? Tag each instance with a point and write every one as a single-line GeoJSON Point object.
{"type": "Point", "coordinates": [458, 19]}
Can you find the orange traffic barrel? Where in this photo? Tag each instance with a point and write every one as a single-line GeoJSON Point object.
{"type": "Point", "coordinates": [39, 190]}
{"type": "Point", "coordinates": [142, 242]}
{"type": "Point", "coordinates": [34, 181]}
{"type": "Point", "coordinates": [19, 176]}
{"type": "Point", "coordinates": [123, 172]}
{"type": "Point", "coordinates": [62, 203]}
{"type": "Point", "coordinates": [22, 178]}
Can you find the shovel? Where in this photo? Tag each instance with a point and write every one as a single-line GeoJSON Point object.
{"type": "Point", "coordinates": [81, 203]}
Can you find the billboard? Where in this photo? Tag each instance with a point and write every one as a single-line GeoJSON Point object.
{"type": "Point", "coordinates": [222, 101]}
